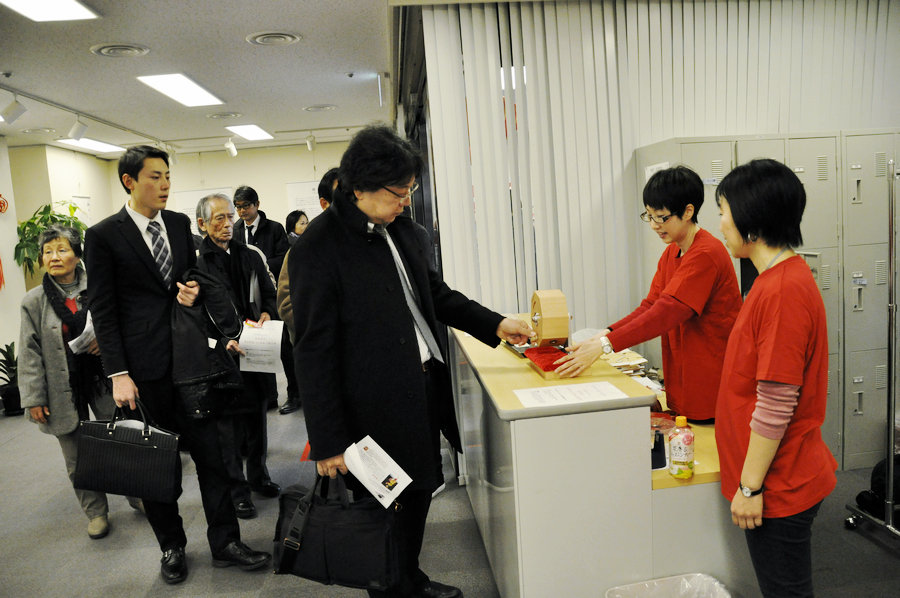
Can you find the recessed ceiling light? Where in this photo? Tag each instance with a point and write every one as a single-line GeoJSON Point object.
{"type": "Point", "coordinates": [320, 108]}
{"type": "Point", "coordinates": [93, 145]}
{"type": "Point", "coordinates": [249, 132]}
{"type": "Point", "coordinates": [181, 89]}
{"type": "Point", "coordinates": [39, 131]}
{"type": "Point", "coordinates": [51, 10]}
{"type": "Point", "coordinates": [117, 50]}
{"type": "Point", "coordinates": [273, 38]}
{"type": "Point", "coordinates": [224, 115]}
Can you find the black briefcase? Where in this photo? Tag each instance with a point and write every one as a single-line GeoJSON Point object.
{"type": "Point", "coordinates": [128, 457]}
{"type": "Point", "coordinates": [323, 536]}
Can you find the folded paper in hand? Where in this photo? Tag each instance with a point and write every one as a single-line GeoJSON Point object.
{"type": "Point", "coordinates": [375, 469]}
{"type": "Point", "coordinates": [82, 343]}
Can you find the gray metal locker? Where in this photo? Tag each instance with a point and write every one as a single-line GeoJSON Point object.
{"type": "Point", "coordinates": [749, 149]}
{"type": "Point", "coordinates": [823, 262]}
{"type": "Point", "coordinates": [814, 161]}
{"type": "Point", "coordinates": [865, 188]}
{"type": "Point", "coordinates": [865, 297]}
{"type": "Point", "coordinates": [865, 408]}
{"type": "Point", "coordinates": [712, 160]}
{"type": "Point", "coordinates": [833, 428]}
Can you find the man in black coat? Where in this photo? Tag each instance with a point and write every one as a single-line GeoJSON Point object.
{"type": "Point", "coordinates": [255, 229]}
{"type": "Point", "coordinates": [242, 270]}
{"type": "Point", "coordinates": [365, 365]}
{"type": "Point", "coordinates": [134, 260]}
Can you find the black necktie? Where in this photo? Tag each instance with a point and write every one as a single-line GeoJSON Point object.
{"type": "Point", "coordinates": [161, 252]}
{"type": "Point", "coordinates": [418, 318]}
{"type": "Point", "coordinates": [250, 235]}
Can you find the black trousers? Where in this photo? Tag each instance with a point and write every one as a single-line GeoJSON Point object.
{"type": "Point", "coordinates": [415, 502]}
{"type": "Point", "coordinates": [287, 360]}
{"type": "Point", "coordinates": [247, 430]}
{"type": "Point", "coordinates": [201, 438]}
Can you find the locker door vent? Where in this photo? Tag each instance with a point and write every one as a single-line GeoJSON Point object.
{"type": "Point", "coordinates": [881, 272]}
{"type": "Point", "coordinates": [717, 169]}
{"type": "Point", "coordinates": [880, 164]}
{"type": "Point", "coordinates": [825, 277]}
{"type": "Point", "coordinates": [822, 168]}
{"type": "Point", "coordinates": [880, 376]}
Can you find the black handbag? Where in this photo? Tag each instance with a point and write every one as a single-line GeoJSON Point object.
{"type": "Point", "coordinates": [323, 536]}
{"type": "Point", "coordinates": [128, 457]}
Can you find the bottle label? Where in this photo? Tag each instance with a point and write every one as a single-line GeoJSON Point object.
{"type": "Point", "coordinates": [681, 453]}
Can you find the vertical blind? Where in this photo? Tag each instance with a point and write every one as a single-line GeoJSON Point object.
{"type": "Point", "coordinates": [536, 109]}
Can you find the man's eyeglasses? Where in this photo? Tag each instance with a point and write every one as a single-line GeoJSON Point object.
{"type": "Point", "coordinates": [242, 206]}
{"type": "Point", "coordinates": [409, 193]}
{"type": "Point", "coordinates": [648, 217]}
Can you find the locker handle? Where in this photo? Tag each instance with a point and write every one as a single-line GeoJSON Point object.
{"type": "Point", "coordinates": [858, 305]}
{"type": "Point", "coordinates": [858, 410]}
{"type": "Point", "coordinates": [855, 198]}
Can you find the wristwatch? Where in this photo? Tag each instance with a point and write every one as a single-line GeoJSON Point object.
{"type": "Point", "coordinates": [607, 346]}
{"type": "Point", "coordinates": [748, 492]}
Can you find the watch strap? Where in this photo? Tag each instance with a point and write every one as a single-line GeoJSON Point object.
{"type": "Point", "coordinates": [745, 490]}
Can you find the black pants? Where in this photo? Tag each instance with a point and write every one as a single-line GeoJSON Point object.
{"type": "Point", "coordinates": [247, 430]}
{"type": "Point", "coordinates": [201, 438]}
{"type": "Point", "coordinates": [287, 361]}
{"type": "Point", "coordinates": [781, 553]}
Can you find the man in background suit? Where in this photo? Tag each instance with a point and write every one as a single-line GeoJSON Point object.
{"type": "Point", "coordinates": [135, 259]}
{"type": "Point", "coordinates": [269, 236]}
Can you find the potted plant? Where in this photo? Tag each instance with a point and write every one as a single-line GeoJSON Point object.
{"type": "Point", "coordinates": [9, 373]}
{"type": "Point", "coordinates": [27, 249]}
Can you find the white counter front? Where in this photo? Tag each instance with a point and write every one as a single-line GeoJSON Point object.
{"type": "Point", "coordinates": [564, 497]}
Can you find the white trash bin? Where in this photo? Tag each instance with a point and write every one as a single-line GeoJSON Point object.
{"type": "Point", "coordinates": [691, 585]}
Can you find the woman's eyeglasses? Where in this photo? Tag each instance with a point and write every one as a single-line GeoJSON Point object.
{"type": "Point", "coordinates": [648, 217]}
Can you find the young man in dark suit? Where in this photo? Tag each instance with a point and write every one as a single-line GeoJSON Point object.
{"type": "Point", "coordinates": [135, 259]}
{"type": "Point", "coordinates": [366, 315]}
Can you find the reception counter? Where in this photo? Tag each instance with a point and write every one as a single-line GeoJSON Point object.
{"type": "Point", "coordinates": [564, 496]}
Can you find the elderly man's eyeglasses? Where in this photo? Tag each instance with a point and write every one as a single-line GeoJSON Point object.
{"type": "Point", "coordinates": [648, 217]}
{"type": "Point", "coordinates": [409, 193]}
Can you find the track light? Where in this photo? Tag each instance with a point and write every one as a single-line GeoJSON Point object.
{"type": "Point", "coordinates": [229, 147]}
{"type": "Point", "coordinates": [310, 142]}
{"type": "Point", "coordinates": [78, 129]}
{"type": "Point", "coordinates": [13, 111]}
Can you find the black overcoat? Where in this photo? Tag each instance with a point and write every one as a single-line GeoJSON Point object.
{"type": "Point", "coordinates": [356, 355]}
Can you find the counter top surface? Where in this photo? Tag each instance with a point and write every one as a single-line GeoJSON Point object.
{"type": "Point", "coordinates": [502, 372]}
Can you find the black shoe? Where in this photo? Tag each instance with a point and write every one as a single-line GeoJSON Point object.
{"type": "Point", "coordinates": [241, 555]}
{"type": "Point", "coordinates": [245, 509]}
{"type": "Point", "coordinates": [174, 566]}
{"type": "Point", "coordinates": [292, 404]}
{"type": "Point", "coordinates": [267, 490]}
{"type": "Point", "coordinates": [433, 589]}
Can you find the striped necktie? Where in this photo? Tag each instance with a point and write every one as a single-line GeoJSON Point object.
{"type": "Point", "coordinates": [161, 252]}
{"type": "Point", "coordinates": [418, 318]}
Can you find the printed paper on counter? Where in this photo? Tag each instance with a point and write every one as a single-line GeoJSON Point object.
{"type": "Point", "coordinates": [262, 345]}
{"type": "Point", "coordinates": [568, 394]}
{"type": "Point", "coordinates": [375, 469]}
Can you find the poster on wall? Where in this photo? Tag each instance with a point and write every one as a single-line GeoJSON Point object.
{"type": "Point", "coordinates": [186, 203]}
{"type": "Point", "coordinates": [304, 196]}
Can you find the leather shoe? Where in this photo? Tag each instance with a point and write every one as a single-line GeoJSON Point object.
{"type": "Point", "coordinates": [268, 489]}
{"type": "Point", "coordinates": [173, 566]}
{"type": "Point", "coordinates": [292, 404]}
{"type": "Point", "coordinates": [433, 589]}
{"type": "Point", "coordinates": [242, 556]}
{"type": "Point", "coordinates": [245, 509]}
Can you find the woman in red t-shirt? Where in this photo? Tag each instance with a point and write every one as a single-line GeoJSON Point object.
{"type": "Point", "coordinates": [692, 303]}
{"type": "Point", "coordinates": [775, 467]}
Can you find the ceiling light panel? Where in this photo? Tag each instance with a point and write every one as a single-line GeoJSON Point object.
{"type": "Point", "coordinates": [93, 145]}
{"type": "Point", "coordinates": [51, 10]}
{"type": "Point", "coordinates": [181, 89]}
{"type": "Point", "coordinates": [249, 132]}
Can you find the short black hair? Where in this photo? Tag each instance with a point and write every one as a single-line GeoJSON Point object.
{"type": "Point", "coordinates": [377, 157]}
{"type": "Point", "coordinates": [673, 189]}
{"type": "Point", "coordinates": [58, 231]}
{"type": "Point", "coordinates": [246, 194]}
{"type": "Point", "coordinates": [766, 200]}
{"type": "Point", "coordinates": [327, 183]}
{"type": "Point", "coordinates": [292, 218]}
{"type": "Point", "coordinates": [132, 161]}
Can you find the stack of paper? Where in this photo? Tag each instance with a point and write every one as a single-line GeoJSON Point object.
{"type": "Point", "coordinates": [627, 361]}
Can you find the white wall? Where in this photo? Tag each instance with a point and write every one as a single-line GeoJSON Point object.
{"type": "Point", "coordinates": [14, 281]}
